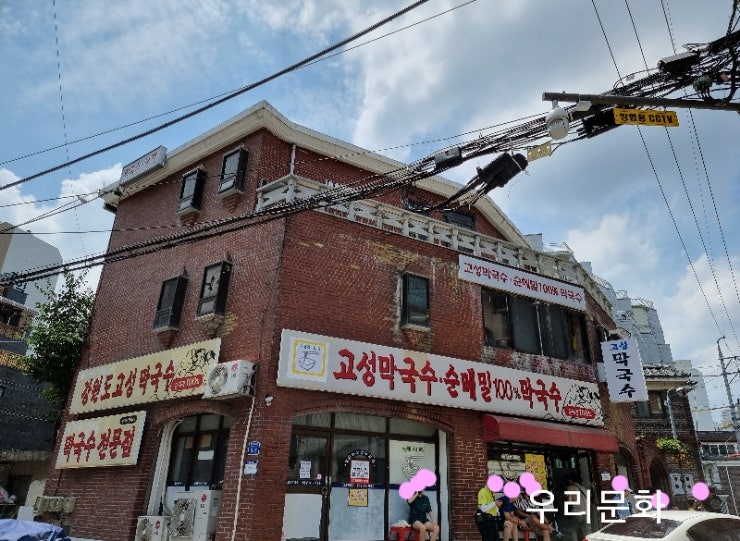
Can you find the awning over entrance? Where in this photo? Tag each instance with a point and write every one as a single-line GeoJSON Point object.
{"type": "Point", "coordinates": [559, 434]}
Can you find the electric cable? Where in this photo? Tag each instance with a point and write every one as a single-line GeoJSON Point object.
{"type": "Point", "coordinates": [226, 98]}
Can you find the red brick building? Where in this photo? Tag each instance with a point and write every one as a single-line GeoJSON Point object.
{"type": "Point", "coordinates": [376, 342]}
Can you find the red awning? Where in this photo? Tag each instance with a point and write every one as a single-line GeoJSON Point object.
{"type": "Point", "coordinates": [496, 428]}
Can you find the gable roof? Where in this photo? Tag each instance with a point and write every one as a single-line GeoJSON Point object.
{"type": "Point", "coordinates": [263, 115]}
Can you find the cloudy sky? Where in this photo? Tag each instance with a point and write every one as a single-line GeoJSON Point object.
{"type": "Point", "coordinates": [654, 210]}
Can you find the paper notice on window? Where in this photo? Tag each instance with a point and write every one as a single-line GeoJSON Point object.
{"type": "Point", "coordinates": [305, 472]}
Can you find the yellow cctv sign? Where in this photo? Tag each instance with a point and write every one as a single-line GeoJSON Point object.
{"type": "Point", "coordinates": [646, 117]}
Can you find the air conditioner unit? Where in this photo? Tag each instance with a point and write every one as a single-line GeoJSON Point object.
{"type": "Point", "coordinates": [152, 528]}
{"type": "Point", "coordinates": [195, 515]}
{"type": "Point", "coordinates": [226, 380]}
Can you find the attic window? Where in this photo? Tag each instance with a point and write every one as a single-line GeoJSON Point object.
{"type": "Point", "coordinates": [191, 192]}
{"type": "Point", "coordinates": [233, 172]}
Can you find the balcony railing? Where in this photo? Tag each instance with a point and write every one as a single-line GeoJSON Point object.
{"type": "Point", "coordinates": [397, 220]}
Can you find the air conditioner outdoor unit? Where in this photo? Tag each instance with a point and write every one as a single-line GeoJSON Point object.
{"type": "Point", "coordinates": [152, 528]}
{"type": "Point", "coordinates": [195, 515]}
{"type": "Point", "coordinates": [226, 380]}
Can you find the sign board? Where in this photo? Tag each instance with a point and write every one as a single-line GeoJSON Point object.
{"type": "Point", "coordinates": [322, 363]}
{"type": "Point", "coordinates": [623, 368]}
{"type": "Point", "coordinates": [103, 441]}
{"type": "Point", "coordinates": [173, 373]}
{"type": "Point", "coordinates": [520, 282]}
{"type": "Point", "coordinates": [149, 161]}
{"type": "Point", "coordinates": [646, 117]}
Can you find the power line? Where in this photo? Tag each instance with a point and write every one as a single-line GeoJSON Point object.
{"type": "Point", "coordinates": [228, 97]}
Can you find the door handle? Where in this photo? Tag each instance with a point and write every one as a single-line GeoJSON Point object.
{"type": "Point", "coordinates": [325, 491]}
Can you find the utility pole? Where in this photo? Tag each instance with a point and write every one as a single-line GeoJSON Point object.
{"type": "Point", "coordinates": [733, 411]}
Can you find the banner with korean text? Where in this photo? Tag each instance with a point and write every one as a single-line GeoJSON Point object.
{"type": "Point", "coordinates": [520, 282]}
{"type": "Point", "coordinates": [173, 373]}
{"type": "Point", "coordinates": [623, 368]}
{"type": "Point", "coordinates": [322, 363]}
{"type": "Point", "coordinates": [103, 441]}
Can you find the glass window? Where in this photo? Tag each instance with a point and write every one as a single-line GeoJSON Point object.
{"type": "Point", "coordinates": [656, 401]}
{"type": "Point", "coordinates": [533, 326]}
{"type": "Point", "coordinates": [191, 192]}
{"type": "Point", "coordinates": [233, 172]}
{"type": "Point", "coordinates": [368, 450]}
{"type": "Point", "coordinates": [359, 422]}
{"type": "Point", "coordinates": [198, 454]}
{"type": "Point", "coordinates": [319, 420]}
{"type": "Point", "coordinates": [466, 221]}
{"type": "Point", "coordinates": [408, 427]}
{"type": "Point", "coordinates": [307, 459]}
{"type": "Point", "coordinates": [215, 289]}
{"type": "Point", "coordinates": [496, 318]}
{"type": "Point", "coordinates": [171, 300]}
{"type": "Point", "coordinates": [415, 309]}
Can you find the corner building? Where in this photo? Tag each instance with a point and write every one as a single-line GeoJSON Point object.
{"type": "Point", "coordinates": [276, 372]}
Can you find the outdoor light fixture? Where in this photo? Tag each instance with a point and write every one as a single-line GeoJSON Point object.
{"type": "Point", "coordinates": [557, 121]}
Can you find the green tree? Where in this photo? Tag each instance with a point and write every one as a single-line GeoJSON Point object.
{"type": "Point", "coordinates": [57, 338]}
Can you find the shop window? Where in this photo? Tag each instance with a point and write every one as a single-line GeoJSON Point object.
{"type": "Point", "coordinates": [191, 192]}
{"type": "Point", "coordinates": [198, 456]}
{"type": "Point", "coordinates": [368, 466]}
{"type": "Point", "coordinates": [233, 172]}
{"type": "Point", "coordinates": [533, 326]}
{"type": "Point", "coordinates": [318, 420]}
{"type": "Point", "coordinates": [415, 309]}
{"type": "Point", "coordinates": [358, 421]}
{"type": "Point", "coordinates": [215, 289]}
{"type": "Point", "coordinates": [171, 300]}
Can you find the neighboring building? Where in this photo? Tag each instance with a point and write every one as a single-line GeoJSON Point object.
{"type": "Point", "coordinates": [373, 341]}
{"type": "Point", "coordinates": [26, 433]}
{"type": "Point", "coordinates": [21, 251]}
{"type": "Point", "coordinates": [701, 411]}
{"type": "Point", "coordinates": [668, 411]}
{"type": "Point", "coordinates": [720, 456]}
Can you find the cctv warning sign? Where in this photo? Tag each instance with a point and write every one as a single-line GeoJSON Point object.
{"type": "Point", "coordinates": [645, 117]}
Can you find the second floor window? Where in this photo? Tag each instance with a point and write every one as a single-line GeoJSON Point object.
{"type": "Point", "coordinates": [191, 192]}
{"type": "Point", "coordinates": [215, 289]}
{"type": "Point", "coordinates": [415, 309]}
{"type": "Point", "coordinates": [653, 407]}
{"type": "Point", "coordinates": [533, 326]}
{"type": "Point", "coordinates": [171, 300]}
{"type": "Point", "coordinates": [233, 172]}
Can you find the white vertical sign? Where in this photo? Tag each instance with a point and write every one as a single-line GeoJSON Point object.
{"type": "Point", "coordinates": [623, 369]}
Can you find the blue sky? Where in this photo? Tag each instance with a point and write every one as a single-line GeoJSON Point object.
{"type": "Point", "coordinates": [76, 69]}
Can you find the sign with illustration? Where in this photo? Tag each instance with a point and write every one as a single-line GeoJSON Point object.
{"type": "Point", "coordinates": [359, 368]}
{"type": "Point", "coordinates": [164, 375]}
{"type": "Point", "coordinates": [103, 441]}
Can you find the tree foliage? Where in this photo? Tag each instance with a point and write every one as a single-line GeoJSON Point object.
{"type": "Point", "coordinates": [58, 336]}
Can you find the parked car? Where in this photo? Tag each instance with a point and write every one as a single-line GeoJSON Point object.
{"type": "Point", "coordinates": [672, 526]}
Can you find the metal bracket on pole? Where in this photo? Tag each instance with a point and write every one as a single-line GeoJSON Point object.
{"type": "Point", "coordinates": [610, 99]}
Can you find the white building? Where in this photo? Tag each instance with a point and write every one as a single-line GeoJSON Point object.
{"type": "Point", "coordinates": [21, 251]}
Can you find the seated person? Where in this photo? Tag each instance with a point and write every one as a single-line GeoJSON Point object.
{"type": "Point", "coordinates": [532, 520]}
{"type": "Point", "coordinates": [421, 517]}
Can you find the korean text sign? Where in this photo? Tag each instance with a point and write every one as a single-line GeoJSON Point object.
{"type": "Point", "coordinates": [103, 441]}
{"type": "Point", "coordinates": [323, 363]}
{"type": "Point", "coordinates": [173, 373]}
{"type": "Point", "coordinates": [520, 282]}
{"type": "Point", "coordinates": [623, 369]}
